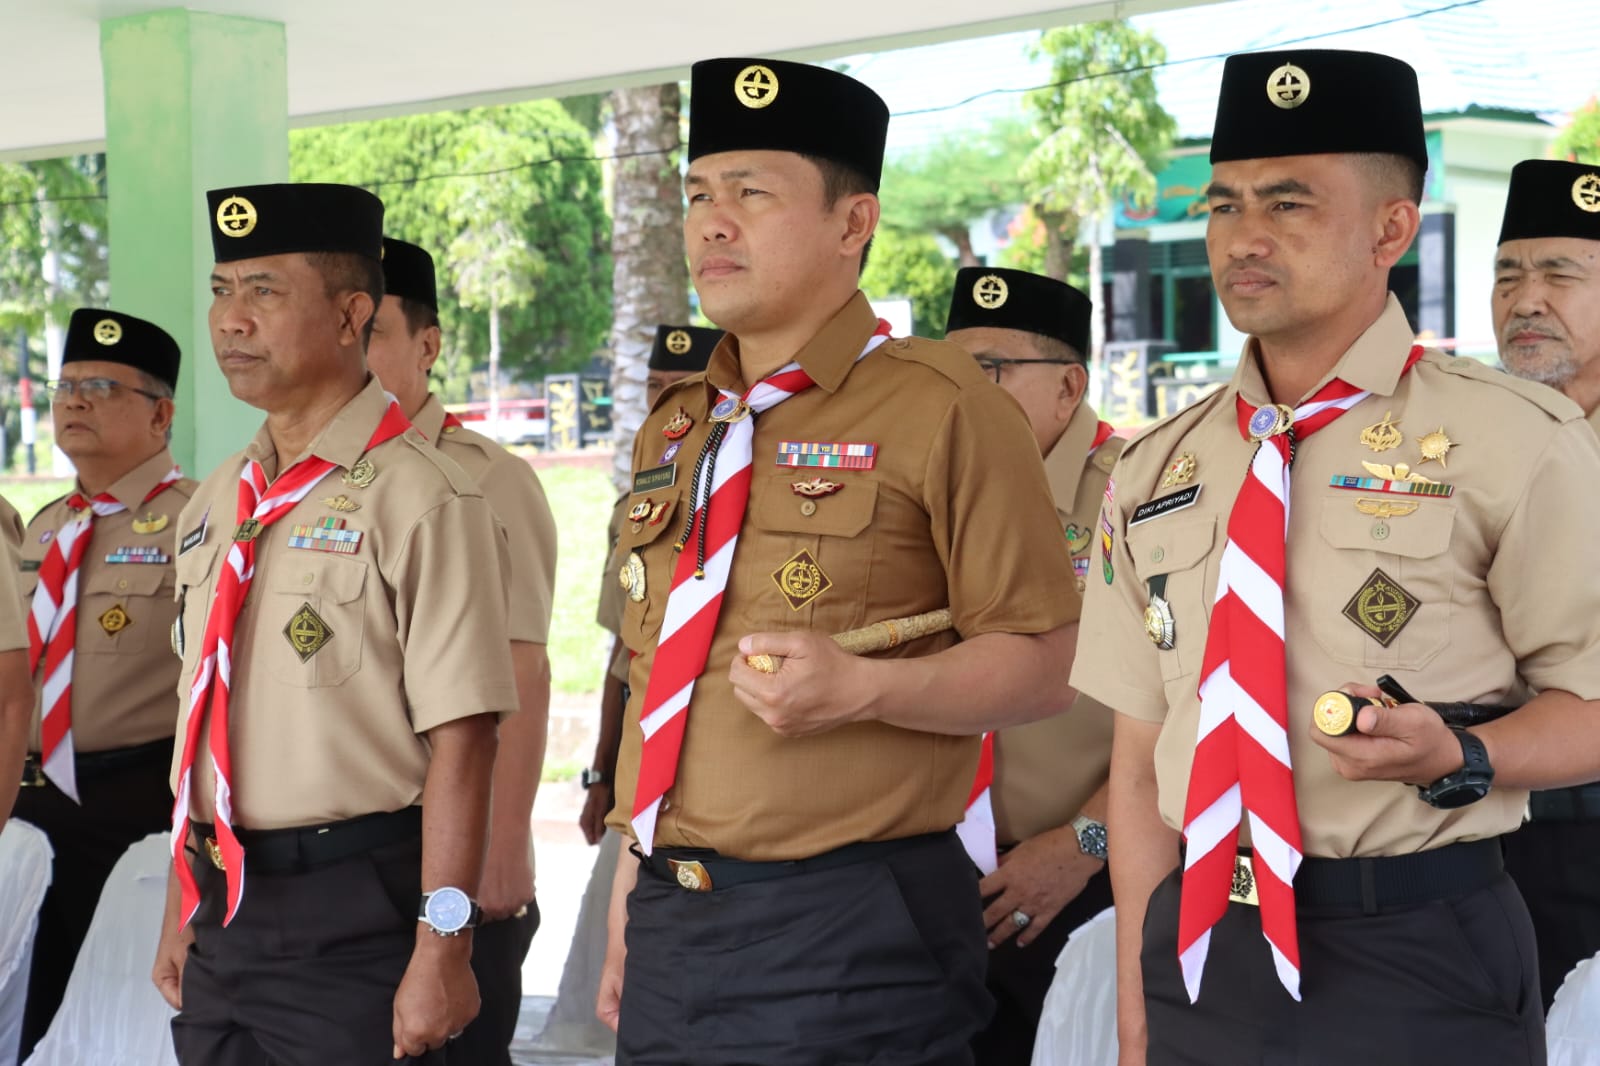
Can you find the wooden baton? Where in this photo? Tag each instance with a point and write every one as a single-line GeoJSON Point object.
{"type": "Point", "coordinates": [879, 636]}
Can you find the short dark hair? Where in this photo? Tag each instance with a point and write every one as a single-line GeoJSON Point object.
{"type": "Point", "coordinates": [347, 272]}
{"type": "Point", "coordinates": [1393, 175]}
{"type": "Point", "coordinates": [1055, 348]}
{"type": "Point", "coordinates": [419, 316]}
{"type": "Point", "coordinates": [838, 181]}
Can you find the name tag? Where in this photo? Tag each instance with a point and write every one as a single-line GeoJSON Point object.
{"type": "Point", "coordinates": [195, 537]}
{"type": "Point", "coordinates": [1166, 505]}
{"type": "Point", "coordinates": [655, 479]}
{"type": "Point", "coordinates": [30, 566]}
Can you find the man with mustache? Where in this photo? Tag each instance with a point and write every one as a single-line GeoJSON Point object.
{"type": "Point", "coordinates": [1547, 319]}
{"type": "Point", "coordinates": [800, 895]}
{"type": "Point", "coordinates": [346, 657]}
{"type": "Point", "coordinates": [98, 582]}
{"type": "Point", "coordinates": [1372, 511]}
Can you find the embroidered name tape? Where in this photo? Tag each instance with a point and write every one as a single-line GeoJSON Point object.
{"type": "Point", "coordinates": [655, 479]}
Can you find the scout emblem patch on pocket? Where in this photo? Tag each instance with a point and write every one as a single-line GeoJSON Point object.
{"type": "Point", "coordinates": [801, 580]}
{"type": "Point", "coordinates": [307, 633]}
{"type": "Point", "coordinates": [1381, 608]}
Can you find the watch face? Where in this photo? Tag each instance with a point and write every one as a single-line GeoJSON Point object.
{"type": "Point", "coordinates": [449, 910]}
{"type": "Point", "coordinates": [1092, 840]}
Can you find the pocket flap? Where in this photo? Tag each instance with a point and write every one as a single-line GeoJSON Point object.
{"type": "Point", "coordinates": [1168, 545]}
{"type": "Point", "coordinates": [647, 519]}
{"type": "Point", "coordinates": [303, 573]}
{"type": "Point", "coordinates": [1422, 534]}
{"type": "Point", "coordinates": [126, 579]}
{"type": "Point", "coordinates": [776, 506]}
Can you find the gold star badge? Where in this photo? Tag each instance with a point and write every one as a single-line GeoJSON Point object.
{"type": "Point", "coordinates": [1436, 445]}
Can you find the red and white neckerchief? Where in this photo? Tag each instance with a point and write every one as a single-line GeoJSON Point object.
{"type": "Point", "coordinates": [976, 828]}
{"type": "Point", "coordinates": [259, 506]}
{"type": "Point", "coordinates": [1241, 758]}
{"type": "Point", "coordinates": [699, 579]}
{"type": "Point", "coordinates": [53, 628]}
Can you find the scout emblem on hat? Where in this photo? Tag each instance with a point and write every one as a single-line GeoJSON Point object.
{"type": "Point", "coordinates": [678, 342]}
{"type": "Point", "coordinates": [113, 337]}
{"type": "Point", "coordinates": [1586, 193]}
{"type": "Point", "coordinates": [756, 86]}
{"type": "Point", "coordinates": [1382, 436]}
{"type": "Point", "coordinates": [1288, 87]}
{"type": "Point", "coordinates": [990, 291]}
{"type": "Point", "coordinates": [683, 348]}
{"type": "Point", "coordinates": [408, 273]}
{"type": "Point", "coordinates": [1436, 445]}
{"type": "Point", "coordinates": [307, 633]}
{"type": "Point", "coordinates": [236, 217]}
{"type": "Point", "coordinates": [1180, 471]}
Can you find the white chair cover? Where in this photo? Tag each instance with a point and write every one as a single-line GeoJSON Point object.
{"type": "Point", "coordinates": [112, 1014]}
{"type": "Point", "coordinates": [1079, 1023]}
{"type": "Point", "coordinates": [572, 1026]}
{"type": "Point", "coordinates": [25, 860]}
{"type": "Point", "coordinates": [1572, 1030]}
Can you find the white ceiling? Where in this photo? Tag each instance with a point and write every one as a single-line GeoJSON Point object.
{"type": "Point", "coordinates": [353, 59]}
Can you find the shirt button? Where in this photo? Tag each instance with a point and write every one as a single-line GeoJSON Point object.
{"type": "Point", "coordinates": [638, 527]}
{"type": "Point", "coordinates": [808, 507]}
{"type": "Point", "coordinates": [122, 583]}
{"type": "Point", "coordinates": [308, 579]}
{"type": "Point", "coordinates": [1380, 531]}
{"type": "Point", "coordinates": [1158, 555]}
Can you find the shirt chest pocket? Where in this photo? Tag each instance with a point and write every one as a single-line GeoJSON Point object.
{"type": "Point", "coordinates": [1381, 597]}
{"type": "Point", "coordinates": [642, 565]}
{"type": "Point", "coordinates": [813, 566]}
{"type": "Point", "coordinates": [1171, 559]}
{"type": "Point", "coordinates": [196, 572]}
{"type": "Point", "coordinates": [311, 624]}
{"type": "Point", "coordinates": [116, 608]}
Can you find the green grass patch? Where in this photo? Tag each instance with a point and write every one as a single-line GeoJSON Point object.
{"type": "Point", "coordinates": [581, 500]}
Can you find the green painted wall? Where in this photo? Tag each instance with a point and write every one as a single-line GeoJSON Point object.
{"type": "Point", "coordinates": [193, 102]}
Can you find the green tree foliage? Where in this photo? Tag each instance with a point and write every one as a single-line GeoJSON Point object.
{"type": "Point", "coordinates": [1580, 140]}
{"type": "Point", "coordinates": [54, 208]}
{"type": "Point", "coordinates": [910, 265]}
{"type": "Point", "coordinates": [511, 203]}
{"type": "Point", "coordinates": [956, 180]}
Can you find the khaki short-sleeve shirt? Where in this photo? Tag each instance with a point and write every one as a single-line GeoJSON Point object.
{"type": "Point", "coordinates": [608, 610]}
{"type": "Point", "coordinates": [518, 501]}
{"type": "Point", "coordinates": [1045, 771]}
{"type": "Point", "coordinates": [123, 669]}
{"type": "Point", "coordinates": [13, 610]}
{"type": "Point", "coordinates": [342, 660]}
{"type": "Point", "coordinates": [952, 511]}
{"type": "Point", "coordinates": [1482, 594]}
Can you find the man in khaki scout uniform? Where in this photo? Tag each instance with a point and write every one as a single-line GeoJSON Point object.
{"type": "Point", "coordinates": [357, 673]}
{"type": "Point", "coordinates": [97, 578]}
{"type": "Point", "coordinates": [1547, 319]}
{"type": "Point", "coordinates": [404, 346]}
{"type": "Point", "coordinates": [1030, 334]}
{"type": "Point", "coordinates": [16, 692]}
{"type": "Point", "coordinates": [678, 351]}
{"type": "Point", "coordinates": [1370, 508]}
{"type": "Point", "coordinates": [801, 896]}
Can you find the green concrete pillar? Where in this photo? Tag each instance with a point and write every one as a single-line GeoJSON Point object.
{"type": "Point", "coordinates": [193, 101]}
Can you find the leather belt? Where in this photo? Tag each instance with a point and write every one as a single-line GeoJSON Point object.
{"type": "Point", "coordinates": [99, 763]}
{"type": "Point", "coordinates": [288, 851]}
{"type": "Point", "coordinates": [1579, 804]}
{"type": "Point", "coordinates": [1385, 883]}
{"type": "Point", "coordinates": [702, 870]}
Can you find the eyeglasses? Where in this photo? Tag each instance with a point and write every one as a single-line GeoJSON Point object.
{"type": "Point", "coordinates": [94, 390]}
{"type": "Point", "coordinates": [993, 367]}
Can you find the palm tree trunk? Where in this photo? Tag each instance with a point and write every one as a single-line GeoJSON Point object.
{"type": "Point", "coordinates": [650, 279]}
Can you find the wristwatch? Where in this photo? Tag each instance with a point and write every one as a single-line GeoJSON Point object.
{"type": "Point", "coordinates": [1468, 784]}
{"type": "Point", "coordinates": [449, 911]}
{"type": "Point", "coordinates": [1091, 836]}
{"type": "Point", "coordinates": [591, 778]}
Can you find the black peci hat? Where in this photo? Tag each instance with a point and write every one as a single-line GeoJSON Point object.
{"type": "Point", "coordinates": [113, 337]}
{"type": "Point", "coordinates": [250, 221]}
{"type": "Point", "coordinates": [683, 347]}
{"type": "Point", "coordinates": [1314, 102]}
{"type": "Point", "coordinates": [408, 273]}
{"type": "Point", "coordinates": [767, 104]}
{"type": "Point", "coordinates": [1015, 299]}
{"type": "Point", "coordinates": [1552, 198]}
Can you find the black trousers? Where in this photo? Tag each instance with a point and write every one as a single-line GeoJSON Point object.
{"type": "Point", "coordinates": [498, 949]}
{"type": "Point", "coordinates": [1020, 977]}
{"type": "Point", "coordinates": [1556, 865]}
{"type": "Point", "coordinates": [1452, 981]}
{"type": "Point", "coordinates": [120, 808]}
{"type": "Point", "coordinates": [877, 962]}
{"type": "Point", "coordinates": [306, 973]}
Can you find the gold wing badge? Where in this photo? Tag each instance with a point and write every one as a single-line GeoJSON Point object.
{"type": "Point", "coordinates": [1385, 508]}
{"type": "Point", "coordinates": [1397, 472]}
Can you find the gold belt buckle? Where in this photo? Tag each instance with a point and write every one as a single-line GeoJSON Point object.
{"type": "Point", "coordinates": [215, 853]}
{"type": "Point", "coordinates": [691, 875]}
{"type": "Point", "coordinates": [1243, 889]}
